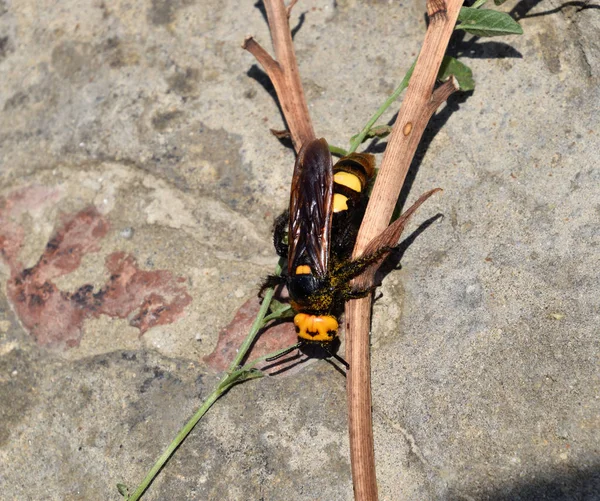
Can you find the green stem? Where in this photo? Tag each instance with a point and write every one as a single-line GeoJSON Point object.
{"type": "Point", "coordinates": [363, 133]}
{"type": "Point", "coordinates": [478, 4]}
{"type": "Point", "coordinates": [278, 314]}
{"type": "Point", "coordinates": [337, 151]}
{"type": "Point", "coordinates": [185, 431]}
{"type": "Point", "coordinates": [258, 324]}
{"type": "Point", "coordinates": [225, 384]}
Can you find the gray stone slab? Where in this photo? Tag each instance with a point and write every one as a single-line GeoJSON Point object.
{"type": "Point", "coordinates": [139, 182]}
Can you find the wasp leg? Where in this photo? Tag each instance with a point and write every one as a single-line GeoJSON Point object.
{"type": "Point", "coordinates": [285, 352]}
{"type": "Point", "coordinates": [280, 229]}
{"type": "Point", "coordinates": [336, 356]}
{"type": "Point", "coordinates": [271, 282]}
{"type": "Point", "coordinates": [347, 271]}
{"type": "Point", "coordinates": [358, 293]}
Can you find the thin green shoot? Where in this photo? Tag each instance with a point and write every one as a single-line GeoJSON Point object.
{"type": "Point", "coordinates": [357, 141]}
{"type": "Point", "coordinates": [337, 151]}
{"type": "Point", "coordinates": [235, 374]}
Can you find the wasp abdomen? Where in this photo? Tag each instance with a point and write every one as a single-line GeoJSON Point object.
{"type": "Point", "coordinates": [316, 328]}
{"type": "Point", "coordinates": [350, 177]}
{"type": "Point", "coordinates": [327, 204]}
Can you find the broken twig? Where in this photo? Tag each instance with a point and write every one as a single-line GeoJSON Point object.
{"type": "Point", "coordinates": [283, 72]}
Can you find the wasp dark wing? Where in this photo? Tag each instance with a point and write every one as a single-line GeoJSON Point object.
{"type": "Point", "coordinates": [311, 207]}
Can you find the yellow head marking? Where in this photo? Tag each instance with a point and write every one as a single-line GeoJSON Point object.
{"type": "Point", "coordinates": [303, 269]}
{"type": "Point", "coordinates": [348, 179]}
{"type": "Point", "coordinates": [316, 327]}
{"type": "Point", "coordinates": [340, 202]}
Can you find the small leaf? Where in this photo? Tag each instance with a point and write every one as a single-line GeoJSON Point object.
{"type": "Point", "coordinates": [286, 312]}
{"type": "Point", "coordinates": [278, 310]}
{"type": "Point", "coordinates": [241, 375]}
{"type": "Point", "coordinates": [276, 305]}
{"type": "Point", "coordinates": [462, 73]}
{"type": "Point", "coordinates": [499, 2]}
{"type": "Point", "coordinates": [247, 375]}
{"type": "Point", "coordinates": [123, 490]}
{"type": "Point", "coordinates": [378, 131]}
{"type": "Point", "coordinates": [487, 23]}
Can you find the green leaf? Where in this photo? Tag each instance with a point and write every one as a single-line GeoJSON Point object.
{"type": "Point", "coordinates": [487, 23]}
{"type": "Point", "coordinates": [499, 2]}
{"type": "Point", "coordinates": [247, 375]}
{"type": "Point", "coordinates": [378, 131]}
{"type": "Point", "coordinates": [276, 306]}
{"type": "Point", "coordinates": [123, 490]}
{"type": "Point", "coordinates": [278, 310]}
{"type": "Point", "coordinates": [462, 73]}
{"type": "Point", "coordinates": [241, 375]}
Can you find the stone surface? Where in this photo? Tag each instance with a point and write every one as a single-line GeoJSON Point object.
{"type": "Point", "coordinates": [139, 182]}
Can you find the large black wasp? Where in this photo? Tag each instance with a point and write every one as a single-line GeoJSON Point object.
{"type": "Point", "coordinates": [317, 235]}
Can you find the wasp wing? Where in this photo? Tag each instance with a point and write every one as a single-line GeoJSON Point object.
{"type": "Point", "coordinates": [311, 209]}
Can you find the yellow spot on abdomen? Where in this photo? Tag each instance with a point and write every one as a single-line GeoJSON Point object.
{"type": "Point", "coordinates": [320, 328]}
{"type": "Point", "coordinates": [348, 179]}
{"type": "Point", "coordinates": [303, 269]}
{"type": "Point", "coordinates": [340, 202]}
{"type": "Point", "coordinates": [407, 129]}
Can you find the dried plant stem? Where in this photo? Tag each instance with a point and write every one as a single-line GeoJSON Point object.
{"type": "Point", "coordinates": [417, 108]}
{"type": "Point", "coordinates": [283, 72]}
{"type": "Point", "coordinates": [419, 104]}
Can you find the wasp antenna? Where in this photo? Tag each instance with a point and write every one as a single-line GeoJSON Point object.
{"type": "Point", "coordinates": [285, 352]}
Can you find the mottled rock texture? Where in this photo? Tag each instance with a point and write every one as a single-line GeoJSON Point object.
{"type": "Point", "coordinates": [139, 182]}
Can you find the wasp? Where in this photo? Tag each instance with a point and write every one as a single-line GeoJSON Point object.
{"type": "Point", "coordinates": [317, 235]}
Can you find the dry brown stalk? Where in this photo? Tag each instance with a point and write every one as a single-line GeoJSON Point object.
{"type": "Point", "coordinates": [418, 106]}
{"type": "Point", "coordinates": [388, 239]}
{"type": "Point", "coordinates": [283, 72]}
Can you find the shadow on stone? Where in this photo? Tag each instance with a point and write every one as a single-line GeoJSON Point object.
{"type": "Point", "coordinates": [577, 485]}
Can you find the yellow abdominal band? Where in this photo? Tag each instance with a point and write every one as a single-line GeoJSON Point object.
{"type": "Point", "coordinates": [340, 202]}
{"type": "Point", "coordinates": [348, 179]}
{"type": "Point", "coordinates": [321, 328]}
